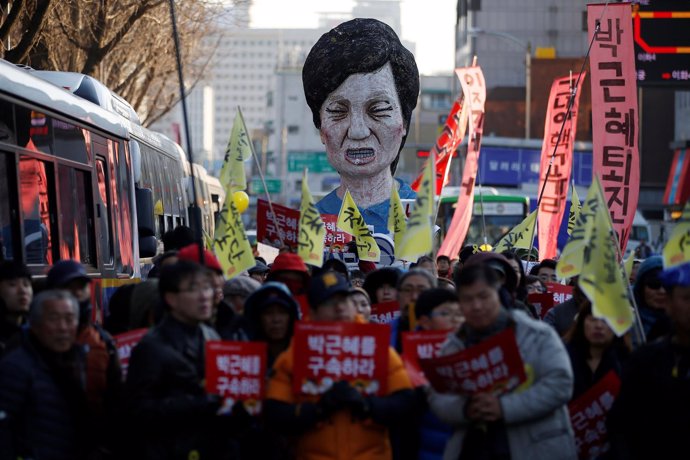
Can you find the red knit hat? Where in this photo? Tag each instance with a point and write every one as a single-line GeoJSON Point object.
{"type": "Point", "coordinates": [288, 261]}
{"type": "Point", "coordinates": [191, 253]}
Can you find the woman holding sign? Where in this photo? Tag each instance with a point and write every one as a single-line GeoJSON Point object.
{"type": "Point", "coordinates": [491, 415]}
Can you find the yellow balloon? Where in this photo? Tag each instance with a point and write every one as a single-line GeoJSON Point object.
{"type": "Point", "coordinates": [241, 200]}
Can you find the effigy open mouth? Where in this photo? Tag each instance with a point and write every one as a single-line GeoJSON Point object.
{"type": "Point", "coordinates": [360, 156]}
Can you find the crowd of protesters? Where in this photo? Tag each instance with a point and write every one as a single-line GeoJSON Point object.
{"type": "Point", "coordinates": [63, 394]}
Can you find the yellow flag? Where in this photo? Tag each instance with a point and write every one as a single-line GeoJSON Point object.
{"type": "Point", "coordinates": [312, 231]}
{"type": "Point", "coordinates": [570, 262]}
{"type": "Point", "coordinates": [418, 238]}
{"type": "Point", "coordinates": [519, 236]}
{"type": "Point", "coordinates": [601, 279]}
{"type": "Point", "coordinates": [628, 265]}
{"type": "Point", "coordinates": [231, 244]}
{"type": "Point", "coordinates": [575, 208]}
{"type": "Point", "coordinates": [232, 176]}
{"type": "Point", "coordinates": [350, 220]}
{"type": "Point", "coordinates": [396, 217]}
{"type": "Point", "coordinates": [677, 250]}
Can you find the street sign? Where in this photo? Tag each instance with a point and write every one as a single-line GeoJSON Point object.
{"type": "Point", "coordinates": [273, 186]}
{"type": "Point", "coordinates": [317, 162]}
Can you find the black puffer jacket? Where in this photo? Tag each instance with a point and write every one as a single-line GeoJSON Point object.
{"type": "Point", "coordinates": [41, 403]}
{"type": "Point", "coordinates": [172, 417]}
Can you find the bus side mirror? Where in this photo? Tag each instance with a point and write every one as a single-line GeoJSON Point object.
{"type": "Point", "coordinates": [145, 218]}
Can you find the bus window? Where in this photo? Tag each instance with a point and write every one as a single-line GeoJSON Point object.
{"type": "Point", "coordinates": [125, 188]}
{"type": "Point", "coordinates": [7, 236]}
{"type": "Point", "coordinates": [35, 204]}
{"type": "Point", "coordinates": [77, 241]}
{"type": "Point", "coordinates": [39, 133]}
{"type": "Point", "coordinates": [69, 142]}
{"type": "Point", "coordinates": [104, 204]}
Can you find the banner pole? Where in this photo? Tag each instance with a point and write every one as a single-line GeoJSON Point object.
{"type": "Point", "coordinates": [263, 182]}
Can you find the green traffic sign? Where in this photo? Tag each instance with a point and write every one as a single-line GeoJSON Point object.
{"type": "Point", "coordinates": [273, 186]}
{"type": "Point", "coordinates": [317, 162]}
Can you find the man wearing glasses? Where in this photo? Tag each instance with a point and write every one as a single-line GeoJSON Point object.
{"type": "Point", "coordinates": [172, 415]}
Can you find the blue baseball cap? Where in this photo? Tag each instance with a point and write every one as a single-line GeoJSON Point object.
{"type": "Point", "coordinates": [676, 276]}
{"type": "Point", "coordinates": [325, 286]}
{"type": "Point", "coordinates": [64, 272]}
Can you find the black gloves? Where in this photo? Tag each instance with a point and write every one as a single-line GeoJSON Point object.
{"type": "Point", "coordinates": [343, 396]}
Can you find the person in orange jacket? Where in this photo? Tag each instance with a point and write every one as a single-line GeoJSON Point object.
{"type": "Point", "coordinates": [342, 423]}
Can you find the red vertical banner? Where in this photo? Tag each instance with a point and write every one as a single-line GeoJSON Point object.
{"type": "Point", "coordinates": [330, 352]}
{"type": "Point", "coordinates": [588, 416]}
{"type": "Point", "coordinates": [446, 145]}
{"type": "Point", "coordinates": [474, 91]}
{"type": "Point", "coordinates": [236, 371]}
{"type": "Point", "coordinates": [615, 116]}
{"type": "Point", "coordinates": [558, 153]}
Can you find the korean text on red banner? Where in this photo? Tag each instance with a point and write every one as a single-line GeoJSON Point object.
{"type": "Point", "coordinates": [420, 345]}
{"type": "Point", "coordinates": [494, 365]}
{"type": "Point", "coordinates": [125, 343]}
{"type": "Point", "coordinates": [561, 292]}
{"type": "Point", "coordinates": [559, 153]}
{"type": "Point", "coordinates": [267, 228]}
{"type": "Point", "coordinates": [334, 236]}
{"type": "Point", "coordinates": [615, 115]}
{"type": "Point", "coordinates": [472, 81]}
{"type": "Point", "coordinates": [385, 312]}
{"type": "Point", "coordinates": [236, 371]}
{"type": "Point", "coordinates": [588, 416]}
{"type": "Point", "coordinates": [330, 352]}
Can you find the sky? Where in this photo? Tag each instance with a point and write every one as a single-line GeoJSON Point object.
{"type": "Point", "coordinates": [428, 23]}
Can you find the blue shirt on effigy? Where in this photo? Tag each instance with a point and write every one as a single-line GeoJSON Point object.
{"type": "Point", "coordinates": [376, 215]}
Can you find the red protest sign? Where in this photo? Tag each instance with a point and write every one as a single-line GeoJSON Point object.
{"type": "Point", "coordinates": [334, 236]}
{"type": "Point", "coordinates": [385, 312]}
{"type": "Point", "coordinates": [542, 302]}
{"type": "Point", "coordinates": [588, 416]}
{"type": "Point", "coordinates": [494, 365]}
{"type": "Point", "coordinates": [287, 220]}
{"type": "Point", "coordinates": [561, 292]}
{"type": "Point", "coordinates": [329, 352]}
{"type": "Point", "coordinates": [420, 344]}
{"type": "Point", "coordinates": [125, 343]}
{"type": "Point", "coordinates": [235, 371]}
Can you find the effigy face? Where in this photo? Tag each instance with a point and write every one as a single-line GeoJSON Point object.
{"type": "Point", "coordinates": [362, 124]}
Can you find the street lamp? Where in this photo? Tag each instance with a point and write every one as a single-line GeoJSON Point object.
{"type": "Point", "coordinates": [527, 46]}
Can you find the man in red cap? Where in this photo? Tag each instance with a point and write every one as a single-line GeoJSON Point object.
{"type": "Point", "coordinates": [289, 269]}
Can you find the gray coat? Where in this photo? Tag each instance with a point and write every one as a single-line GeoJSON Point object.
{"type": "Point", "coordinates": [536, 417]}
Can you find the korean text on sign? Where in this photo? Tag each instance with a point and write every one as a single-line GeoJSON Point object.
{"type": "Point", "coordinates": [385, 312]}
{"type": "Point", "coordinates": [285, 224]}
{"type": "Point", "coordinates": [125, 343]}
{"type": "Point", "coordinates": [494, 365]}
{"type": "Point", "coordinates": [420, 345]}
{"type": "Point", "coordinates": [236, 371]}
{"type": "Point", "coordinates": [588, 416]}
{"type": "Point", "coordinates": [614, 112]}
{"type": "Point", "coordinates": [330, 352]}
{"type": "Point", "coordinates": [333, 235]}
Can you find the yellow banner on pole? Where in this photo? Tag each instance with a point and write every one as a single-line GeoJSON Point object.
{"type": "Point", "coordinates": [677, 250]}
{"type": "Point", "coordinates": [396, 217]}
{"type": "Point", "coordinates": [312, 231]}
{"type": "Point", "coordinates": [232, 175]}
{"type": "Point", "coordinates": [570, 262]}
{"type": "Point", "coordinates": [601, 278]}
{"type": "Point", "coordinates": [418, 238]}
{"type": "Point", "coordinates": [575, 208]}
{"type": "Point", "coordinates": [350, 220]}
{"type": "Point", "coordinates": [519, 236]}
{"type": "Point", "coordinates": [231, 244]}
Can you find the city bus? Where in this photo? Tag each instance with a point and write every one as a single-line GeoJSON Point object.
{"type": "Point", "coordinates": [493, 215]}
{"type": "Point", "coordinates": [83, 182]}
